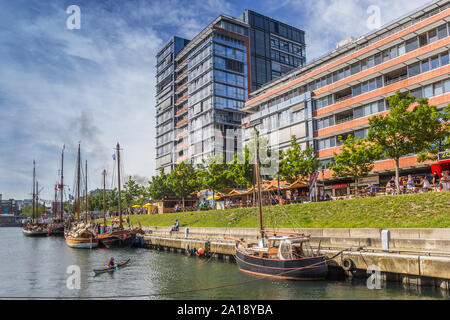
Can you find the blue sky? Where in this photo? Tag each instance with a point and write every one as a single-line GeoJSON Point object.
{"type": "Point", "coordinates": [97, 84]}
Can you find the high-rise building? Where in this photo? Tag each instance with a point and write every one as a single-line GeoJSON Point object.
{"type": "Point", "coordinates": [165, 102]}
{"type": "Point", "coordinates": [338, 93]}
{"type": "Point", "coordinates": [202, 85]}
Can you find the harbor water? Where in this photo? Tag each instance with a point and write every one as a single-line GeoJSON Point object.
{"type": "Point", "coordinates": [37, 267]}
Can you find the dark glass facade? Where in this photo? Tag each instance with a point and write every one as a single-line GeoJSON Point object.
{"type": "Point", "coordinates": [275, 48]}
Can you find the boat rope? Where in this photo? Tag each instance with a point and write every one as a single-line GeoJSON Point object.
{"type": "Point", "coordinates": [176, 292]}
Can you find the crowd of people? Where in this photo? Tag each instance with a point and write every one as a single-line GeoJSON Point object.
{"type": "Point", "coordinates": [416, 184]}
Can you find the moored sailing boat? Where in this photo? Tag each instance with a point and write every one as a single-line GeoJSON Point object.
{"type": "Point", "coordinates": [57, 225]}
{"type": "Point", "coordinates": [35, 229]}
{"type": "Point", "coordinates": [81, 235]}
{"type": "Point", "coordinates": [279, 254]}
{"type": "Point", "coordinates": [120, 237]}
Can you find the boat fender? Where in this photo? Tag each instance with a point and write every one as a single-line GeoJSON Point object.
{"type": "Point", "coordinates": [201, 251]}
{"type": "Point", "coordinates": [347, 264]}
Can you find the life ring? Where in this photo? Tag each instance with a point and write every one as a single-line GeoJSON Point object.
{"type": "Point", "coordinates": [347, 264]}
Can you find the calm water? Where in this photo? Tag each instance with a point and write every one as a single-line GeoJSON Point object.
{"type": "Point", "coordinates": [36, 267]}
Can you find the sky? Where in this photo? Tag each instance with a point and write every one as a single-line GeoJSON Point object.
{"type": "Point", "coordinates": [96, 85]}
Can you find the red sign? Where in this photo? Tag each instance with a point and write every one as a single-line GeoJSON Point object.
{"type": "Point", "coordinates": [340, 186]}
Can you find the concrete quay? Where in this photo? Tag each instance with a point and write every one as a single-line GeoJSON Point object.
{"type": "Point", "coordinates": [416, 257]}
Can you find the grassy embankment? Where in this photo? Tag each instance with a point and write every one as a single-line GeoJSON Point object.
{"type": "Point", "coordinates": [431, 210]}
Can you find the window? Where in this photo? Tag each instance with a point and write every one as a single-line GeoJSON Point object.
{"type": "Point", "coordinates": [365, 87]}
{"type": "Point", "coordinates": [412, 44]}
{"type": "Point", "coordinates": [355, 68]}
{"type": "Point", "coordinates": [371, 62]}
{"type": "Point", "coordinates": [435, 62]}
{"type": "Point", "coordinates": [432, 36]}
{"type": "Point", "coordinates": [442, 32]}
{"type": "Point", "coordinates": [401, 49]}
{"type": "Point", "coordinates": [423, 40]}
{"type": "Point", "coordinates": [425, 66]}
{"type": "Point", "coordinates": [446, 85]}
{"type": "Point", "coordinates": [356, 90]}
{"type": "Point", "coordinates": [444, 59]}
{"type": "Point", "coordinates": [428, 91]}
{"type": "Point", "coordinates": [417, 93]}
{"type": "Point", "coordinates": [378, 59]}
{"type": "Point", "coordinates": [414, 69]}
{"type": "Point", "coordinates": [364, 64]}
{"type": "Point", "coordinates": [438, 90]}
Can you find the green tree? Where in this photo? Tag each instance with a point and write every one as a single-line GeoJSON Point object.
{"type": "Point", "coordinates": [405, 131]}
{"type": "Point", "coordinates": [183, 181]}
{"type": "Point", "coordinates": [296, 163]}
{"type": "Point", "coordinates": [242, 169]}
{"type": "Point", "coordinates": [131, 192]}
{"type": "Point", "coordinates": [214, 174]}
{"type": "Point", "coordinates": [356, 159]}
{"type": "Point", "coordinates": [432, 126]}
{"type": "Point", "coordinates": [158, 188]}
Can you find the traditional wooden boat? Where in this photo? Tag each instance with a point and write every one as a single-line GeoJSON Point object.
{"type": "Point", "coordinates": [81, 243]}
{"type": "Point", "coordinates": [284, 257]}
{"type": "Point", "coordinates": [120, 237]}
{"type": "Point", "coordinates": [34, 229]}
{"type": "Point", "coordinates": [279, 254]}
{"type": "Point", "coordinates": [116, 239]}
{"type": "Point", "coordinates": [36, 232]}
{"type": "Point", "coordinates": [118, 266]}
{"type": "Point", "coordinates": [81, 235]}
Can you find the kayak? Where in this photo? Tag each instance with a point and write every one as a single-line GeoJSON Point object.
{"type": "Point", "coordinates": [118, 266]}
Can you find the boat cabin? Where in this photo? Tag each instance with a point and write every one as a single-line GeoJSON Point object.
{"type": "Point", "coordinates": [280, 248]}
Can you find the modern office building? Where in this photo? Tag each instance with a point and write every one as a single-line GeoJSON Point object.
{"type": "Point", "coordinates": [336, 94]}
{"type": "Point", "coordinates": [201, 92]}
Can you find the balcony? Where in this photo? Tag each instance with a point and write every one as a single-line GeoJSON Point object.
{"type": "Point", "coordinates": [181, 65]}
{"type": "Point", "coordinates": [182, 99]}
{"type": "Point", "coordinates": [397, 79]}
{"type": "Point", "coordinates": [182, 122]}
{"type": "Point", "coordinates": [182, 110]}
{"type": "Point", "coordinates": [181, 76]}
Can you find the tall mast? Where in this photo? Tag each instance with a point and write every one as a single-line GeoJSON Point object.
{"type": "Point", "coordinates": [78, 184]}
{"type": "Point", "coordinates": [37, 201]}
{"type": "Point", "coordinates": [54, 207]}
{"type": "Point", "coordinates": [118, 184]}
{"type": "Point", "coordinates": [258, 182]}
{"type": "Point", "coordinates": [61, 212]}
{"type": "Point", "coordinates": [86, 197]}
{"type": "Point", "coordinates": [104, 198]}
{"type": "Point", "coordinates": [34, 190]}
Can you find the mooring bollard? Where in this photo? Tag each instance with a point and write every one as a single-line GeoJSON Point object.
{"type": "Point", "coordinates": [186, 232]}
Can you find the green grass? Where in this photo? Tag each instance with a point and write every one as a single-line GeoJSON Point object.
{"type": "Point", "coordinates": [431, 210]}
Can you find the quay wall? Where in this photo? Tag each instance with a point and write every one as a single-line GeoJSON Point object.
{"type": "Point", "coordinates": [418, 257]}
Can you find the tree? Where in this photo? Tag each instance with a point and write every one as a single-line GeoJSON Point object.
{"type": "Point", "coordinates": [214, 174]}
{"type": "Point", "coordinates": [158, 188]}
{"type": "Point", "coordinates": [404, 131]}
{"type": "Point", "coordinates": [296, 163]}
{"type": "Point", "coordinates": [356, 159]}
{"type": "Point", "coordinates": [242, 169]}
{"type": "Point", "coordinates": [183, 180]}
{"type": "Point", "coordinates": [434, 127]}
{"type": "Point", "coordinates": [131, 192]}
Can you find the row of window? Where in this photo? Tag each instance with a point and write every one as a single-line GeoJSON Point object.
{"type": "Point", "coordinates": [428, 64]}
{"type": "Point", "coordinates": [334, 141]}
{"type": "Point", "coordinates": [228, 52]}
{"type": "Point", "coordinates": [163, 75]}
{"type": "Point", "coordinates": [233, 27]}
{"type": "Point", "coordinates": [164, 149]}
{"type": "Point", "coordinates": [200, 95]}
{"type": "Point", "coordinates": [199, 82]}
{"type": "Point", "coordinates": [286, 46]}
{"type": "Point", "coordinates": [228, 91]}
{"type": "Point", "coordinates": [227, 64]}
{"type": "Point", "coordinates": [432, 90]}
{"type": "Point", "coordinates": [165, 128]}
{"type": "Point", "coordinates": [379, 58]}
{"type": "Point", "coordinates": [163, 117]}
{"type": "Point", "coordinates": [278, 120]}
{"type": "Point", "coordinates": [225, 103]}
{"type": "Point", "coordinates": [164, 138]}
{"type": "Point", "coordinates": [205, 52]}
{"type": "Point", "coordinates": [286, 58]}
{"type": "Point", "coordinates": [230, 78]}
{"type": "Point", "coordinates": [199, 69]}
{"type": "Point", "coordinates": [367, 86]}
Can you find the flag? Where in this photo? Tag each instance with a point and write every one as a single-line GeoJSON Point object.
{"type": "Point", "coordinates": [114, 157]}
